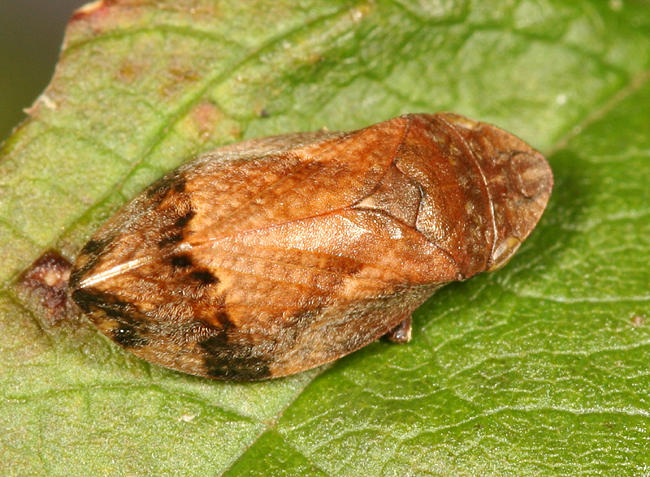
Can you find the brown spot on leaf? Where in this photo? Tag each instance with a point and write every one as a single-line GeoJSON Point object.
{"type": "Point", "coordinates": [638, 321]}
{"type": "Point", "coordinates": [46, 282]}
{"type": "Point", "coordinates": [205, 116]}
{"type": "Point", "coordinates": [182, 73]}
{"type": "Point", "coordinates": [235, 131]}
{"type": "Point", "coordinates": [129, 71]}
{"type": "Point", "coordinates": [177, 78]}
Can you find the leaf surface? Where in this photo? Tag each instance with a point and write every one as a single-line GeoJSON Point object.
{"type": "Point", "coordinates": [540, 368]}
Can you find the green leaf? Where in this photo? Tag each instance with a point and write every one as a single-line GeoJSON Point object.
{"type": "Point", "coordinates": [540, 368]}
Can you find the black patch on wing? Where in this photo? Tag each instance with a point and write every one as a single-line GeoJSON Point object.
{"type": "Point", "coordinates": [224, 320]}
{"type": "Point", "coordinates": [173, 233]}
{"type": "Point", "coordinates": [204, 277]}
{"type": "Point", "coordinates": [94, 247]}
{"type": "Point", "coordinates": [179, 186]}
{"type": "Point", "coordinates": [228, 360]}
{"type": "Point", "coordinates": [93, 251]}
{"type": "Point", "coordinates": [183, 220]}
{"type": "Point", "coordinates": [170, 240]}
{"type": "Point", "coordinates": [182, 260]}
{"type": "Point", "coordinates": [131, 327]}
{"type": "Point", "coordinates": [128, 336]}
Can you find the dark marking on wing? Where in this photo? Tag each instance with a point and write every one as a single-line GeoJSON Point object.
{"type": "Point", "coordinates": [173, 181]}
{"type": "Point", "coordinates": [224, 320]}
{"type": "Point", "coordinates": [94, 247]}
{"type": "Point", "coordinates": [130, 330]}
{"type": "Point", "coordinates": [226, 360]}
{"type": "Point", "coordinates": [127, 336]}
{"type": "Point", "coordinates": [182, 221]}
{"type": "Point", "coordinates": [181, 261]}
{"type": "Point", "coordinates": [86, 300]}
{"type": "Point", "coordinates": [88, 257]}
{"type": "Point", "coordinates": [179, 186]}
{"type": "Point", "coordinates": [227, 357]}
{"type": "Point", "coordinates": [205, 277]}
{"type": "Point", "coordinates": [173, 233]}
{"type": "Point", "coordinates": [170, 240]}
{"type": "Point", "coordinates": [160, 187]}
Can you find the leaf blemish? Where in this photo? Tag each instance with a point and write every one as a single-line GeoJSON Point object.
{"type": "Point", "coordinates": [46, 281]}
{"type": "Point", "coordinates": [638, 321]}
{"type": "Point", "coordinates": [205, 116]}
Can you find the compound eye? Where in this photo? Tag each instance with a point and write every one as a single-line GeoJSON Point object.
{"type": "Point", "coordinates": [530, 173]}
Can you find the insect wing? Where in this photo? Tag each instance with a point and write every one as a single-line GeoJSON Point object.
{"type": "Point", "coordinates": [240, 263]}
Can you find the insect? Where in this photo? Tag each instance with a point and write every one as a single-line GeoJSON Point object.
{"type": "Point", "coordinates": [275, 255]}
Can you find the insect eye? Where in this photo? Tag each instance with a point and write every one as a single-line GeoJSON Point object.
{"type": "Point", "coordinates": [530, 174]}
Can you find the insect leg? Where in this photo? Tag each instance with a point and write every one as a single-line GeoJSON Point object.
{"type": "Point", "coordinates": [401, 333]}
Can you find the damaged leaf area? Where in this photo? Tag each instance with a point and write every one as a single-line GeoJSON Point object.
{"type": "Point", "coordinates": [539, 368]}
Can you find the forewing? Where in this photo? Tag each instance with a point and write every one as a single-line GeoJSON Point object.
{"type": "Point", "coordinates": [275, 300]}
{"type": "Point", "coordinates": [251, 185]}
{"type": "Point", "coordinates": [321, 287]}
{"type": "Point", "coordinates": [231, 264]}
{"type": "Point", "coordinates": [304, 181]}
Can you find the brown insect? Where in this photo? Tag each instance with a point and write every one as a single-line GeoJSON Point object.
{"type": "Point", "coordinates": [275, 255]}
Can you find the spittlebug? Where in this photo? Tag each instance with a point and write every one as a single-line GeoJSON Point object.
{"type": "Point", "coordinates": [275, 255]}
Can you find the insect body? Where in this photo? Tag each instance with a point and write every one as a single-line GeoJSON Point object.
{"type": "Point", "coordinates": [275, 255]}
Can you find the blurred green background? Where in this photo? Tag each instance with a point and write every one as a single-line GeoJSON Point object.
{"type": "Point", "coordinates": [31, 32]}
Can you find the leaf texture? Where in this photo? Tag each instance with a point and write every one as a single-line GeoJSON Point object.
{"type": "Point", "coordinates": [540, 368]}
